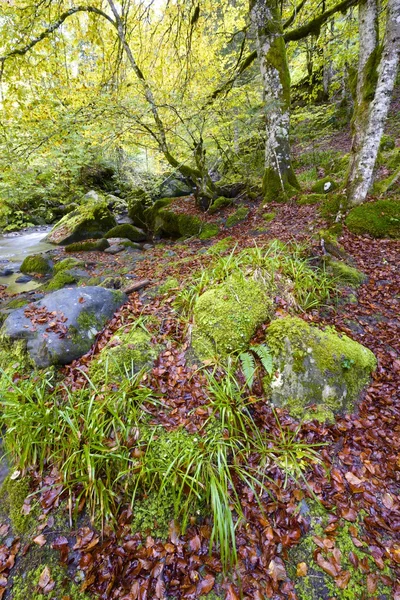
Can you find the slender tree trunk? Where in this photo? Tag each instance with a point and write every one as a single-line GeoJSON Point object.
{"type": "Point", "coordinates": [377, 72]}
{"type": "Point", "coordinates": [279, 182]}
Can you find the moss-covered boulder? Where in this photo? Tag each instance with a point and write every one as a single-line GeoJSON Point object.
{"type": "Point", "coordinates": [227, 316]}
{"type": "Point", "coordinates": [218, 204]}
{"type": "Point", "coordinates": [38, 264]}
{"type": "Point", "coordinates": [88, 246]}
{"type": "Point", "coordinates": [380, 219]}
{"type": "Point", "coordinates": [324, 186]}
{"type": "Point", "coordinates": [68, 263]}
{"type": "Point", "coordinates": [138, 201]}
{"type": "Point", "coordinates": [129, 351]}
{"type": "Point", "coordinates": [343, 272]}
{"type": "Point", "coordinates": [316, 367]}
{"type": "Point", "coordinates": [128, 232]}
{"type": "Point", "coordinates": [310, 199]}
{"type": "Point", "coordinates": [61, 279]}
{"type": "Point", "coordinates": [91, 220]}
{"type": "Point", "coordinates": [163, 219]}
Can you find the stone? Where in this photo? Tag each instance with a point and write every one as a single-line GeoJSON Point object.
{"type": "Point", "coordinates": [6, 272]}
{"type": "Point", "coordinates": [174, 188]}
{"type": "Point", "coordinates": [90, 220]}
{"type": "Point", "coordinates": [23, 279]}
{"type": "Point", "coordinates": [73, 318]}
{"type": "Point", "coordinates": [126, 231]}
{"type": "Point", "coordinates": [317, 373]}
{"type": "Point", "coordinates": [115, 249]}
{"type": "Point", "coordinates": [38, 264]}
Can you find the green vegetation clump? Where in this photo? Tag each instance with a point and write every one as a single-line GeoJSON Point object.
{"type": "Point", "coordinates": [333, 205]}
{"type": "Point", "coordinates": [17, 303]}
{"type": "Point", "coordinates": [380, 219]}
{"type": "Point", "coordinates": [269, 216]}
{"type": "Point", "coordinates": [239, 215]}
{"type": "Point", "coordinates": [310, 199]}
{"type": "Point", "coordinates": [37, 264]}
{"type": "Point", "coordinates": [387, 143]}
{"type": "Point", "coordinates": [126, 231]}
{"type": "Point", "coordinates": [153, 514]}
{"type": "Point", "coordinates": [324, 186]}
{"type": "Point", "coordinates": [344, 272]}
{"type": "Point", "coordinates": [226, 317]}
{"type": "Point", "coordinates": [68, 263]}
{"type": "Point", "coordinates": [88, 246]}
{"type": "Point", "coordinates": [60, 280]}
{"type": "Point", "coordinates": [219, 203]}
{"type": "Point", "coordinates": [168, 285]}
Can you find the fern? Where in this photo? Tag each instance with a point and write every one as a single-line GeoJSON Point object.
{"type": "Point", "coordinates": [265, 356]}
{"type": "Point", "coordinates": [248, 367]}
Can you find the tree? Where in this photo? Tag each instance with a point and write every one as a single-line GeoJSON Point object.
{"type": "Point", "coordinates": [377, 70]}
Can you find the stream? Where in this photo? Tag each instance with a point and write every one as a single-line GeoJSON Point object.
{"type": "Point", "coordinates": [14, 247]}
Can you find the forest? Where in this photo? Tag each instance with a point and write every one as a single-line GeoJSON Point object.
{"type": "Point", "coordinates": [199, 300]}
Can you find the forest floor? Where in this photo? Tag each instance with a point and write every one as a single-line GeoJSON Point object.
{"type": "Point", "coordinates": [357, 482]}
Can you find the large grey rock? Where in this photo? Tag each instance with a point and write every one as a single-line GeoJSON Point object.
{"type": "Point", "coordinates": [63, 325]}
{"type": "Point", "coordinates": [174, 188]}
{"type": "Point", "coordinates": [316, 373]}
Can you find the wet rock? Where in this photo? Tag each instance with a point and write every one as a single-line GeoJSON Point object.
{"type": "Point", "coordinates": [63, 326]}
{"type": "Point", "coordinates": [6, 272]}
{"type": "Point", "coordinates": [23, 279]}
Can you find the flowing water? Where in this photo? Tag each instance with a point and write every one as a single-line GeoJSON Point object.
{"type": "Point", "coordinates": [14, 247]}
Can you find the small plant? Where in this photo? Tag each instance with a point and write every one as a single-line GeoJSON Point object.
{"type": "Point", "coordinates": [248, 363]}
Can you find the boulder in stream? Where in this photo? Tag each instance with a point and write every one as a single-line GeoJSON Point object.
{"type": "Point", "coordinates": [63, 325]}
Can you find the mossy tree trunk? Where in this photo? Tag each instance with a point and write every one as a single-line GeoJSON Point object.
{"type": "Point", "coordinates": [377, 72]}
{"type": "Point", "coordinates": [279, 181]}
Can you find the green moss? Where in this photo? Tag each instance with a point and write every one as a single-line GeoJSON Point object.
{"type": "Point", "coordinates": [269, 216]}
{"type": "Point", "coordinates": [208, 231]}
{"type": "Point", "coordinates": [169, 284]}
{"type": "Point", "coordinates": [324, 186]}
{"type": "Point", "coordinates": [17, 303]}
{"type": "Point", "coordinates": [126, 231]}
{"type": "Point", "coordinates": [344, 272]}
{"type": "Point", "coordinates": [332, 206]}
{"type": "Point", "coordinates": [371, 74]}
{"type": "Point", "coordinates": [279, 188]}
{"type": "Point", "coordinates": [13, 495]}
{"type": "Point", "coordinates": [153, 514]}
{"type": "Point", "coordinates": [68, 263]}
{"type": "Point", "coordinates": [128, 351]}
{"type": "Point", "coordinates": [89, 246]}
{"type": "Point", "coordinates": [91, 220]}
{"type": "Point", "coordinates": [221, 246]}
{"type": "Point", "coordinates": [227, 316]}
{"type": "Point", "coordinates": [37, 264]}
{"type": "Point", "coordinates": [25, 582]}
{"type": "Point", "coordinates": [239, 215]}
{"type": "Point", "coordinates": [310, 198]}
{"type": "Point", "coordinates": [379, 219]}
{"type": "Point", "coordinates": [60, 280]}
{"type": "Point", "coordinates": [387, 143]}
{"type": "Point", "coordinates": [314, 366]}
{"type": "Point", "coordinates": [219, 203]}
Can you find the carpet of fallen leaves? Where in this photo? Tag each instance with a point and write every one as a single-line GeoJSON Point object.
{"type": "Point", "coordinates": [358, 479]}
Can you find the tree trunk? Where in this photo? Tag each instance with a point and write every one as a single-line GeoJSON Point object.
{"type": "Point", "coordinates": [376, 77]}
{"type": "Point", "coordinates": [279, 182]}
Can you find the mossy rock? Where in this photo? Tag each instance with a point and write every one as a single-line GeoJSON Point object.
{"type": "Point", "coordinates": [316, 367]}
{"type": "Point", "coordinates": [129, 351]}
{"type": "Point", "coordinates": [324, 186]}
{"type": "Point", "coordinates": [227, 316]}
{"type": "Point", "coordinates": [91, 220]}
{"type": "Point", "coordinates": [310, 199]}
{"type": "Point", "coordinates": [218, 204]}
{"type": "Point", "coordinates": [68, 263]}
{"type": "Point", "coordinates": [138, 201]}
{"type": "Point", "coordinates": [13, 493]}
{"type": "Point", "coordinates": [88, 246]}
{"type": "Point", "coordinates": [221, 246]}
{"type": "Point", "coordinates": [238, 216]}
{"type": "Point", "coordinates": [129, 232]}
{"type": "Point", "coordinates": [38, 264]}
{"type": "Point", "coordinates": [163, 220]}
{"type": "Point", "coordinates": [61, 279]}
{"type": "Point", "coordinates": [380, 219]}
{"type": "Point", "coordinates": [345, 273]}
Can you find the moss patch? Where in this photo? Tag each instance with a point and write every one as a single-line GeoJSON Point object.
{"type": "Point", "coordinates": [379, 219]}
{"type": "Point", "coordinates": [239, 215]}
{"type": "Point", "coordinates": [221, 246]}
{"type": "Point", "coordinates": [13, 494]}
{"type": "Point", "coordinates": [219, 203]}
{"type": "Point", "coordinates": [332, 206]}
{"type": "Point", "coordinates": [37, 264]}
{"type": "Point", "coordinates": [310, 199]}
{"type": "Point", "coordinates": [227, 316]}
{"type": "Point", "coordinates": [344, 273]}
{"type": "Point", "coordinates": [324, 186]}
{"type": "Point", "coordinates": [68, 263]}
{"type": "Point", "coordinates": [60, 280]}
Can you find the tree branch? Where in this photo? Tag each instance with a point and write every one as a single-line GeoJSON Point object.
{"type": "Point", "coordinates": [21, 51]}
{"type": "Point", "coordinates": [294, 14]}
{"type": "Point", "coordinates": [315, 25]}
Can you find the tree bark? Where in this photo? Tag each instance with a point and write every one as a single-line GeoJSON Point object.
{"type": "Point", "coordinates": [377, 72]}
{"type": "Point", "coordinates": [279, 182]}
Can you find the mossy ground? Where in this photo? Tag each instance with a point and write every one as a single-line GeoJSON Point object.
{"type": "Point", "coordinates": [324, 186]}
{"type": "Point", "coordinates": [12, 496]}
{"type": "Point", "coordinates": [60, 280]}
{"type": "Point", "coordinates": [239, 215]}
